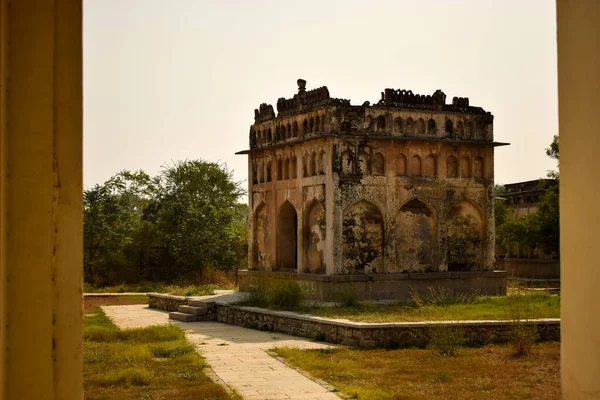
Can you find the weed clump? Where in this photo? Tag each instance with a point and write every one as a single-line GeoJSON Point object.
{"type": "Point", "coordinates": [446, 340]}
{"type": "Point", "coordinates": [521, 311]}
{"type": "Point", "coordinates": [288, 295]}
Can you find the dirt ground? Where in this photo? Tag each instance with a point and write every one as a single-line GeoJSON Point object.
{"type": "Point", "coordinates": [90, 302]}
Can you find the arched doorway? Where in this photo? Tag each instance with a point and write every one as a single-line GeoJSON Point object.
{"type": "Point", "coordinates": [416, 238]}
{"type": "Point", "coordinates": [465, 237]}
{"type": "Point", "coordinates": [314, 239]}
{"type": "Point", "coordinates": [287, 238]}
{"type": "Point", "coordinates": [363, 236]}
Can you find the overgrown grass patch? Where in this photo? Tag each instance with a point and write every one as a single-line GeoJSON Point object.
{"type": "Point", "coordinates": [479, 308]}
{"type": "Point", "coordinates": [489, 373]}
{"type": "Point", "coordinates": [178, 289]}
{"type": "Point", "coordinates": [143, 363]}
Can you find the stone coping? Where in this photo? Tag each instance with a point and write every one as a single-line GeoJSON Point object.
{"type": "Point", "coordinates": [377, 325]}
{"type": "Point", "coordinates": [374, 277]}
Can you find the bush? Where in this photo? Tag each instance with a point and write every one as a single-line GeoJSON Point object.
{"type": "Point", "coordinates": [259, 294]}
{"type": "Point", "coordinates": [521, 310]}
{"type": "Point", "coordinates": [446, 340]}
{"type": "Point", "coordinates": [348, 295]}
{"type": "Point", "coordinates": [440, 296]}
{"type": "Point", "coordinates": [287, 294]}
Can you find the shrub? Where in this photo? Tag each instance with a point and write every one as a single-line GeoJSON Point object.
{"type": "Point", "coordinates": [440, 296]}
{"type": "Point", "coordinates": [521, 310]}
{"type": "Point", "coordinates": [445, 340]}
{"type": "Point", "coordinates": [259, 295]}
{"type": "Point", "coordinates": [348, 295]}
{"type": "Point", "coordinates": [287, 294]}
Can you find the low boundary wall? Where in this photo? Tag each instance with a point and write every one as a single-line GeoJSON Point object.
{"type": "Point", "coordinates": [535, 268]}
{"type": "Point", "coordinates": [359, 334]}
{"type": "Point", "coordinates": [395, 286]}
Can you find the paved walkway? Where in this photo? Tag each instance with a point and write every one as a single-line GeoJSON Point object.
{"type": "Point", "coordinates": [237, 355]}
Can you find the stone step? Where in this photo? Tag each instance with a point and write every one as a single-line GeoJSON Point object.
{"type": "Point", "coordinates": [201, 303]}
{"type": "Point", "coordinates": [184, 317]}
{"type": "Point", "coordinates": [193, 310]}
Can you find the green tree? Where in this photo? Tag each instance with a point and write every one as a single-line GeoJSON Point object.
{"type": "Point", "coordinates": [196, 214]}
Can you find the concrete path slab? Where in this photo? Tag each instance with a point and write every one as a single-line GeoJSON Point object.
{"type": "Point", "coordinates": [238, 356]}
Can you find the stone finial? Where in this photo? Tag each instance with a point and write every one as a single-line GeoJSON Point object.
{"type": "Point", "coordinates": [301, 85]}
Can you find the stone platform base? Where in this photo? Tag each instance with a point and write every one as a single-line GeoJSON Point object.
{"type": "Point", "coordinates": [334, 288]}
{"type": "Point", "coordinates": [532, 268]}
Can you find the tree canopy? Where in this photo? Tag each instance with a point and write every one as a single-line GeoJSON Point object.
{"type": "Point", "coordinates": [169, 226]}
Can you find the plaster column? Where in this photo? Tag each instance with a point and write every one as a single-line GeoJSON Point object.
{"type": "Point", "coordinates": [41, 199]}
{"type": "Point", "coordinates": [578, 24]}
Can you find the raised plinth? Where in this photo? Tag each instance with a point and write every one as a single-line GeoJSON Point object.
{"type": "Point", "coordinates": [398, 286]}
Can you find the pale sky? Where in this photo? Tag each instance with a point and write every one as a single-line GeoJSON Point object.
{"type": "Point", "coordinates": [172, 80]}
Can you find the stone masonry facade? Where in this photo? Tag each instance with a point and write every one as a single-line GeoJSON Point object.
{"type": "Point", "coordinates": [404, 185]}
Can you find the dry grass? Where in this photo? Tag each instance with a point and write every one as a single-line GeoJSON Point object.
{"type": "Point", "coordinates": [481, 308]}
{"type": "Point", "coordinates": [145, 363]}
{"type": "Point", "coordinates": [488, 373]}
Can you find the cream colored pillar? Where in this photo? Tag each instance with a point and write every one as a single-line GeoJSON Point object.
{"type": "Point", "coordinates": [41, 199]}
{"type": "Point", "coordinates": [579, 106]}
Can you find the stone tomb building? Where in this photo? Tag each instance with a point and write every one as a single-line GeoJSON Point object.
{"type": "Point", "coordinates": [394, 195]}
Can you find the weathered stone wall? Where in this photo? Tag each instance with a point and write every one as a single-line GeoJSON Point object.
{"type": "Point", "coordinates": [372, 335]}
{"type": "Point", "coordinates": [382, 286]}
{"type": "Point", "coordinates": [165, 302]}
{"type": "Point", "coordinates": [536, 268]}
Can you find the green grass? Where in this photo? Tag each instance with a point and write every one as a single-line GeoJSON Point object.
{"type": "Point", "coordinates": [541, 305]}
{"type": "Point", "coordinates": [184, 289]}
{"type": "Point", "coordinates": [156, 362]}
{"type": "Point", "coordinates": [487, 373]}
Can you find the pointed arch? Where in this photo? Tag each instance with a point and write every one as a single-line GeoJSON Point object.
{"type": "Point", "coordinates": [402, 166]}
{"type": "Point", "coordinates": [460, 130]}
{"type": "Point", "coordinates": [289, 131]}
{"type": "Point", "coordinates": [322, 162]}
{"type": "Point", "coordinates": [416, 238]}
{"type": "Point", "coordinates": [429, 166]}
{"type": "Point", "coordinates": [449, 127]}
{"type": "Point", "coordinates": [410, 126]}
{"type": "Point", "coordinates": [451, 167]}
{"type": "Point", "coordinates": [323, 121]}
{"type": "Point", "coordinates": [277, 132]}
{"type": "Point", "coordinates": [478, 168]}
{"type": "Point", "coordinates": [465, 167]}
{"type": "Point", "coordinates": [465, 236]}
{"type": "Point", "coordinates": [318, 124]}
{"type": "Point", "coordinates": [347, 163]}
{"type": "Point", "coordinates": [283, 132]}
{"type": "Point", "coordinates": [287, 237]}
{"type": "Point", "coordinates": [311, 125]}
{"type": "Point", "coordinates": [305, 130]}
{"type": "Point", "coordinates": [363, 238]}
{"type": "Point", "coordinates": [295, 129]}
{"type": "Point", "coordinates": [279, 169]}
{"type": "Point", "coordinates": [398, 125]}
{"type": "Point", "coordinates": [420, 126]}
{"type": "Point", "coordinates": [378, 164]}
{"type": "Point", "coordinates": [261, 171]}
{"type": "Point", "coordinates": [469, 130]}
{"type": "Point", "coordinates": [431, 127]}
{"type": "Point", "coordinates": [363, 163]}
{"type": "Point", "coordinates": [305, 165]}
{"type": "Point", "coordinates": [293, 168]}
{"type": "Point", "coordinates": [415, 165]}
{"type": "Point", "coordinates": [313, 164]}
{"type": "Point", "coordinates": [286, 168]}
{"type": "Point", "coordinates": [381, 124]}
{"type": "Point", "coordinates": [314, 238]}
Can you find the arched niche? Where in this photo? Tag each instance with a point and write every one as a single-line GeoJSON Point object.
{"type": "Point", "coordinates": [398, 125]}
{"type": "Point", "coordinates": [451, 167]}
{"type": "Point", "coordinates": [465, 167]}
{"type": "Point", "coordinates": [287, 238]}
{"type": "Point", "coordinates": [260, 234]}
{"type": "Point", "coordinates": [314, 238]}
{"type": "Point", "coordinates": [402, 165]}
{"type": "Point", "coordinates": [429, 166]}
{"type": "Point", "coordinates": [378, 164]}
{"type": "Point", "coordinates": [347, 163]}
{"type": "Point", "coordinates": [420, 126]}
{"type": "Point", "coordinates": [431, 127]}
{"type": "Point", "coordinates": [380, 124]}
{"type": "Point", "coordinates": [460, 130]}
{"type": "Point", "coordinates": [416, 243]}
{"type": "Point", "coordinates": [415, 166]}
{"type": "Point", "coordinates": [465, 237]}
{"type": "Point", "coordinates": [363, 162]}
{"type": "Point", "coordinates": [410, 126]}
{"type": "Point", "coordinates": [363, 238]}
{"type": "Point", "coordinates": [478, 170]}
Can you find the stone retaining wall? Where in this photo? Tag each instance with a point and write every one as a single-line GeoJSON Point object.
{"type": "Point", "coordinates": [535, 268]}
{"type": "Point", "coordinates": [373, 335]}
{"type": "Point", "coordinates": [166, 302]}
{"type": "Point", "coordinates": [381, 286]}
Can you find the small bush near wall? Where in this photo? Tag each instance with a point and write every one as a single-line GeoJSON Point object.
{"type": "Point", "coordinates": [286, 294]}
